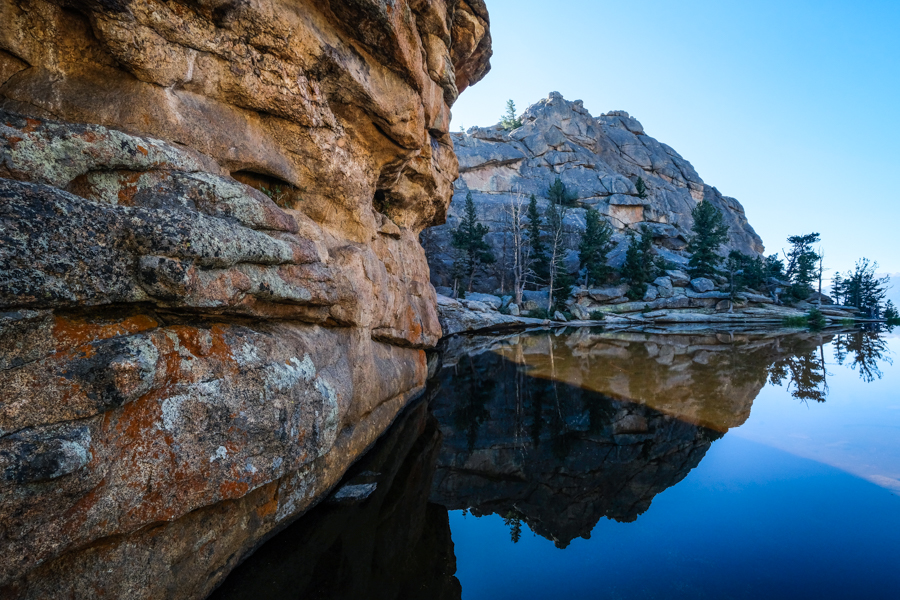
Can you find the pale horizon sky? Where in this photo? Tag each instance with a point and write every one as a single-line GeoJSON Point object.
{"type": "Point", "coordinates": [792, 108]}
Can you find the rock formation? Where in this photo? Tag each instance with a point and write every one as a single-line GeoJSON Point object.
{"type": "Point", "coordinates": [213, 295]}
{"type": "Point", "coordinates": [599, 160]}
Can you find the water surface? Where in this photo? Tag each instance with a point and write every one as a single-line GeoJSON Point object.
{"type": "Point", "coordinates": [590, 464]}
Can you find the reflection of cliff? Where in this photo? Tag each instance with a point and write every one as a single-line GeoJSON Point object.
{"type": "Point", "coordinates": [391, 545]}
{"type": "Point", "coordinates": [599, 425]}
{"type": "Point", "coordinates": [708, 379]}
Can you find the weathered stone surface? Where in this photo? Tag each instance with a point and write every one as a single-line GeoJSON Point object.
{"type": "Point", "coordinates": [608, 293]}
{"type": "Point", "coordinates": [460, 317]}
{"type": "Point", "coordinates": [599, 160]}
{"type": "Point", "coordinates": [679, 278]}
{"type": "Point", "coordinates": [702, 284]}
{"type": "Point", "coordinates": [212, 293]}
{"type": "Point", "coordinates": [664, 287]}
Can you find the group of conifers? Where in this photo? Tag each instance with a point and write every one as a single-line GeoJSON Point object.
{"type": "Point", "coordinates": [539, 258]}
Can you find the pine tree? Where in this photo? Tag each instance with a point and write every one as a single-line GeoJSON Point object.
{"type": "Point", "coordinates": [558, 194]}
{"type": "Point", "coordinates": [802, 264]}
{"type": "Point", "coordinates": [710, 232]}
{"type": "Point", "coordinates": [640, 267]}
{"type": "Point", "coordinates": [641, 188]}
{"type": "Point", "coordinates": [891, 314]}
{"type": "Point", "coordinates": [468, 238]}
{"type": "Point", "coordinates": [595, 245]}
{"type": "Point", "coordinates": [838, 288]}
{"type": "Point", "coordinates": [863, 289]}
{"type": "Point", "coordinates": [774, 266]}
{"type": "Point", "coordinates": [540, 265]}
{"type": "Point", "coordinates": [509, 120]}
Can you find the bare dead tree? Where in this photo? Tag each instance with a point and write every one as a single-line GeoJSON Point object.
{"type": "Point", "coordinates": [556, 246]}
{"type": "Point", "coordinates": [520, 258]}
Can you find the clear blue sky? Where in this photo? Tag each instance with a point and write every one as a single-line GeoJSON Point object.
{"type": "Point", "coordinates": [792, 107]}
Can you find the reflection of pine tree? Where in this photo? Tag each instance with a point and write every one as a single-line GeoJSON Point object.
{"type": "Point", "coordinates": [867, 348]}
{"type": "Point", "coordinates": [471, 412]}
{"type": "Point", "coordinates": [513, 520]}
{"type": "Point", "coordinates": [806, 374]}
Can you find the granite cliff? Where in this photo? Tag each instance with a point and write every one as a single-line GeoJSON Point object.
{"type": "Point", "coordinates": [212, 294]}
{"type": "Point", "coordinates": [599, 160]}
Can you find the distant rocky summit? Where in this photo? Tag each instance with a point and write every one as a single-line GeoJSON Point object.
{"type": "Point", "coordinates": [599, 160]}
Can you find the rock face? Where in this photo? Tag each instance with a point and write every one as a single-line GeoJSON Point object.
{"type": "Point", "coordinates": [599, 160]}
{"type": "Point", "coordinates": [212, 294]}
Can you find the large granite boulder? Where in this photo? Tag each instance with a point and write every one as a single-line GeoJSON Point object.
{"type": "Point", "coordinates": [599, 159]}
{"type": "Point", "coordinates": [212, 294]}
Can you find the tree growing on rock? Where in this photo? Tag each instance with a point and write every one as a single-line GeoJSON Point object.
{"type": "Point", "coordinates": [510, 120]}
{"type": "Point", "coordinates": [641, 188]}
{"type": "Point", "coordinates": [862, 288]}
{"type": "Point", "coordinates": [558, 194]}
{"type": "Point", "coordinates": [802, 264]}
{"type": "Point", "coordinates": [540, 264]}
{"type": "Point", "coordinates": [640, 266]}
{"type": "Point", "coordinates": [710, 232]}
{"type": "Point", "coordinates": [596, 243]}
{"type": "Point", "coordinates": [890, 314]}
{"type": "Point", "coordinates": [474, 252]}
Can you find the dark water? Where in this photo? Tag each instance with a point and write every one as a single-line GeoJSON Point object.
{"type": "Point", "coordinates": [619, 465]}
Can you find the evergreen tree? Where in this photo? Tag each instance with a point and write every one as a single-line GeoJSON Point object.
{"type": "Point", "coordinates": [774, 266]}
{"type": "Point", "coordinates": [595, 245]}
{"type": "Point", "coordinates": [560, 281]}
{"type": "Point", "coordinates": [710, 232]}
{"type": "Point", "coordinates": [558, 194]}
{"type": "Point", "coordinates": [863, 289]}
{"type": "Point", "coordinates": [891, 314]}
{"type": "Point", "coordinates": [838, 289]}
{"type": "Point", "coordinates": [640, 268]}
{"type": "Point", "coordinates": [802, 264]}
{"type": "Point", "coordinates": [468, 238]}
{"type": "Point", "coordinates": [509, 120]}
{"type": "Point", "coordinates": [540, 262]}
{"type": "Point", "coordinates": [641, 188]}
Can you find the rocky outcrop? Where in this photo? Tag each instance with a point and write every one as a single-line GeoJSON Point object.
{"type": "Point", "coordinates": [599, 160]}
{"type": "Point", "coordinates": [213, 295]}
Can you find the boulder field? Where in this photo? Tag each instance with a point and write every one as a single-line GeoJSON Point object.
{"type": "Point", "coordinates": [212, 294]}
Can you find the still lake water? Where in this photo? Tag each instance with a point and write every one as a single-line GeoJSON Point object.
{"type": "Point", "coordinates": [590, 464]}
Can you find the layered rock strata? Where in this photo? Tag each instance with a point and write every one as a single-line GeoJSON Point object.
{"type": "Point", "coordinates": [213, 296]}
{"type": "Point", "coordinates": [599, 159]}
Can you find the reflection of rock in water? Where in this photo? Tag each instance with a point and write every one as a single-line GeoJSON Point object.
{"type": "Point", "coordinates": [600, 424]}
{"type": "Point", "coordinates": [390, 543]}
